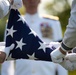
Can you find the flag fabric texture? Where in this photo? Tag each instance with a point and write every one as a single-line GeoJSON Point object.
{"type": "Point", "coordinates": [27, 44]}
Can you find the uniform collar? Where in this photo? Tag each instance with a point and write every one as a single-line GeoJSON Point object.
{"type": "Point", "coordinates": [31, 18]}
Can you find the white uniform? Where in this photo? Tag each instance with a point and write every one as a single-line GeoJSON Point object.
{"type": "Point", "coordinates": [30, 67]}
{"type": "Point", "coordinates": [35, 21]}
{"type": "Point", "coordinates": [7, 68]}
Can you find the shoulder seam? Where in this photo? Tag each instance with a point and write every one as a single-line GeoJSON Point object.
{"type": "Point", "coordinates": [50, 17]}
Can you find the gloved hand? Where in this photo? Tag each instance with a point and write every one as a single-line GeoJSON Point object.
{"type": "Point", "coordinates": [72, 58]}
{"type": "Point", "coordinates": [69, 62]}
{"type": "Point", "coordinates": [57, 55]}
{"type": "Point", "coordinates": [68, 65]}
{"type": "Point", "coordinates": [16, 4]}
{"type": "Point", "coordinates": [4, 8]}
{"type": "Point", "coordinates": [4, 49]}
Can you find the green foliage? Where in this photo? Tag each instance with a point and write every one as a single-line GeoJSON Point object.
{"type": "Point", "coordinates": [2, 27]}
{"type": "Point", "coordinates": [64, 17]}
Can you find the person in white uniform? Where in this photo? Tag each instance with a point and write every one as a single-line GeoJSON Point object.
{"type": "Point", "coordinates": [43, 27]}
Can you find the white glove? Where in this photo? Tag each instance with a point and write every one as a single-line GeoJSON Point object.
{"type": "Point", "coordinates": [57, 56]}
{"type": "Point", "coordinates": [69, 62]}
{"type": "Point", "coordinates": [68, 65]}
{"type": "Point", "coordinates": [16, 4]}
{"type": "Point", "coordinates": [71, 57]}
{"type": "Point", "coordinates": [6, 49]}
{"type": "Point", "coordinates": [4, 8]}
{"type": "Point", "coordinates": [55, 44]}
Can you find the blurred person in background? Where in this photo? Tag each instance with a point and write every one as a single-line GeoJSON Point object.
{"type": "Point", "coordinates": [48, 29]}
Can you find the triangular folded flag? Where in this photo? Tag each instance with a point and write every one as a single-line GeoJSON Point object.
{"type": "Point", "coordinates": [27, 44]}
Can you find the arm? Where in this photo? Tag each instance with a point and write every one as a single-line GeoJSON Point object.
{"type": "Point", "coordinates": [69, 40]}
{"type": "Point", "coordinates": [5, 6]}
{"type": "Point", "coordinates": [16, 4]}
{"type": "Point", "coordinates": [4, 52]}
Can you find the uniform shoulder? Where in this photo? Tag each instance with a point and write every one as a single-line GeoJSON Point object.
{"type": "Point", "coordinates": [46, 16]}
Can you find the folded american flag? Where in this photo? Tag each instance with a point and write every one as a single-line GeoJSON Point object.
{"type": "Point", "coordinates": [27, 44]}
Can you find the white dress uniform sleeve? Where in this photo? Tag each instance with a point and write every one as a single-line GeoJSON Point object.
{"type": "Point", "coordinates": [69, 40]}
{"type": "Point", "coordinates": [4, 8]}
